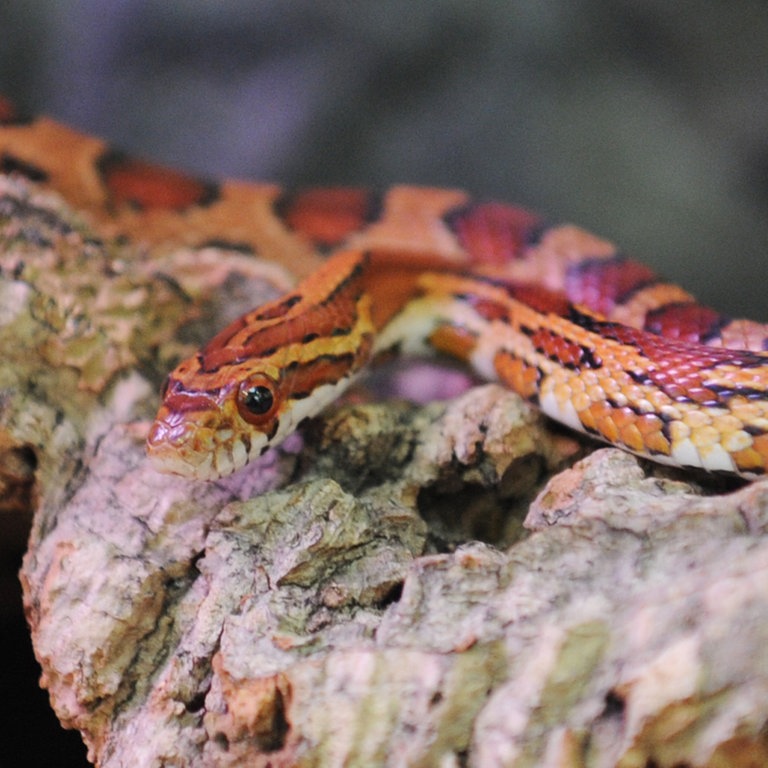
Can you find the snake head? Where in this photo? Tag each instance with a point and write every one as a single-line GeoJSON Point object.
{"type": "Point", "coordinates": [212, 429]}
{"type": "Point", "coordinates": [258, 379]}
{"type": "Point", "coordinates": [206, 432]}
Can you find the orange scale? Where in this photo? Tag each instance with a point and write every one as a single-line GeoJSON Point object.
{"type": "Point", "coordinates": [563, 392]}
{"type": "Point", "coordinates": [520, 377]}
{"type": "Point", "coordinates": [602, 417]}
{"type": "Point", "coordinates": [633, 392]}
{"type": "Point", "coordinates": [650, 427]}
{"type": "Point", "coordinates": [655, 442]}
{"type": "Point", "coordinates": [749, 460]}
{"type": "Point", "coordinates": [577, 384]}
{"type": "Point", "coordinates": [623, 417]}
{"type": "Point", "coordinates": [705, 437]}
{"type": "Point", "coordinates": [674, 391]}
{"type": "Point", "coordinates": [580, 401]}
{"type": "Point", "coordinates": [631, 436]}
{"type": "Point", "coordinates": [699, 394]}
{"type": "Point", "coordinates": [727, 423]}
{"type": "Point", "coordinates": [587, 418]}
{"type": "Point", "coordinates": [760, 445]}
{"type": "Point", "coordinates": [648, 423]}
{"type": "Point", "coordinates": [596, 394]}
{"type": "Point", "coordinates": [694, 419]}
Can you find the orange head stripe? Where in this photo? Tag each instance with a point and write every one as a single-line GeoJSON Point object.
{"type": "Point", "coordinates": [327, 304]}
{"type": "Point", "coordinates": [262, 340]}
{"type": "Point", "coordinates": [301, 379]}
{"type": "Point", "coordinates": [275, 309]}
{"type": "Point", "coordinates": [237, 331]}
{"type": "Point", "coordinates": [222, 340]}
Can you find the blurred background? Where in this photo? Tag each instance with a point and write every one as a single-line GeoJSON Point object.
{"type": "Point", "coordinates": [642, 120]}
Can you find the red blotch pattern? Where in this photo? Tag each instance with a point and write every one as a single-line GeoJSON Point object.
{"type": "Point", "coordinates": [517, 375]}
{"type": "Point", "coordinates": [686, 322]}
{"type": "Point", "coordinates": [492, 233]}
{"type": "Point", "coordinates": [145, 185]}
{"type": "Point", "coordinates": [327, 216]}
{"type": "Point", "coordinates": [556, 347]}
{"type": "Point", "coordinates": [679, 367]}
{"type": "Point", "coordinates": [601, 284]}
{"type": "Point", "coordinates": [541, 299]}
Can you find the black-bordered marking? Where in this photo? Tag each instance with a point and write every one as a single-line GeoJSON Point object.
{"type": "Point", "coordinates": [143, 185]}
{"type": "Point", "coordinates": [327, 216]}
{"type": "Point", "coordinates": [602, 283]}
{"type": "Point", "coordinates": [10, 164]}
{"type": "Point", "coordinates": [493, 233]}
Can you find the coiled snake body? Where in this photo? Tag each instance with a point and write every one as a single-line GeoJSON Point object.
{"type": "Point", "coordinates": [562, 317]}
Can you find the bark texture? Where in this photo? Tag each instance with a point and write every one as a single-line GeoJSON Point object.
{"type": "Point", "coordinates": [408, 585]}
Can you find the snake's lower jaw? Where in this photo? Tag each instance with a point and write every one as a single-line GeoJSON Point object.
{"type": "Point", "coordinates": [190, 450]}
{"type": "Point", "coordinates": [175, 449]}
{"type": "Point", "coordinates": [168, 451]}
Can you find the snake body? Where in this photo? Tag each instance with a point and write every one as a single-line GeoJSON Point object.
{"type": "Point", "coordinates": [561, 316]}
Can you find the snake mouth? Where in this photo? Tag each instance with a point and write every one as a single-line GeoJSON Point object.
{"type": "Point", "coordinates": [185, 435]}
{"type": "Point", "coordinates": [181, 447]}
{"type": "Point", "coordinates": [171, 448]}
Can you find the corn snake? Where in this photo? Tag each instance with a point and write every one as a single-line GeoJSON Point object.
{"type": "Point", "coordinates": [561, 316]}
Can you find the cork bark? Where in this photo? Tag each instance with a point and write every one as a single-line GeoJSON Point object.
{"type": "Point", "coordinates": [444, 584]}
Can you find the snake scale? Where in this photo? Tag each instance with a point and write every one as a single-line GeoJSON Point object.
{"type": "Point", "coordinates": [593, 338]}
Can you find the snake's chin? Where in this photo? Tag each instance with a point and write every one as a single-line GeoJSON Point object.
{"type": "Point", "coordinates": [172, 462]}
{"type": "Point", "coordinates": [196, 452]}
{"type": "Point", "coordinates": [171, 451]}
{"type": "Point", "coordinates": [171, 465]}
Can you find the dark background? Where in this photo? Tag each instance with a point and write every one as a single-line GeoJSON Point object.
{"type": "Point", "coordinates": [643, 121]}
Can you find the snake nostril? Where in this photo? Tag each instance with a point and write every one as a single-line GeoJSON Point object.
{"type": "Point", "coordinates": [156, 435]}
{"type": "Point", "coordinates": [164, 433]}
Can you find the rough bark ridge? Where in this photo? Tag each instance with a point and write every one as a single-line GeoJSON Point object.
{"type": "Point", "coordinates": [371, 598]}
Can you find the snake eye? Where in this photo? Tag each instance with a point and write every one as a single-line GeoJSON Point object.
{"type": "Point", "coordinates": [256, 399]}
